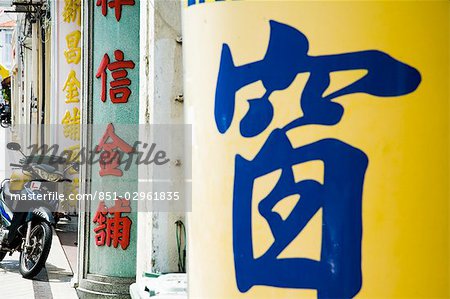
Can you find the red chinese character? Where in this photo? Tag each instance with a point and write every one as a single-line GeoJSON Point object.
{"type": "Point", "coordinates": [118, 227]}
{"type": "Point", "coordinates": [114, 230]}
{"type": "Point", "coordinates": [119, 92]}
{"type": "Point", "coordinates": [100, 219]}
{"type": "Point", "coordinates": [109, 145]}
{"type": "Point", "coordinates": [116, 4]}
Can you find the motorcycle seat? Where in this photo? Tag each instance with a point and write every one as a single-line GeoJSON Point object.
{"type": "Point", "coordinates": [47, 168]}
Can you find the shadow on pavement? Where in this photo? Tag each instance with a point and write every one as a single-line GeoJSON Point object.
{"type": "Point", "coordinates": [67, 232]}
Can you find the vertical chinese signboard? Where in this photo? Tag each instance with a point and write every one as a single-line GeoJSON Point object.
{"type": "Point", "coordinates": [320, 148]}
{"type": "Point", "coordinates": [115, 109]}
{"type": "Point", "coordinates": [67, 90]}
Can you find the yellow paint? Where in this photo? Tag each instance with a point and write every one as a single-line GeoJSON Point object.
{"type": "Point", "coordinates": [73, 53]}
{"type": "Point", "coordinates": [72, 88]}
{"type": "Point", "coordinates": [4, 73]}
{"type": "Point", "coordinates": [405, 202]}
{"type": "Point", "coordinates": [71, 124]}
{"type": "Point", "coordinates": [72, 11]}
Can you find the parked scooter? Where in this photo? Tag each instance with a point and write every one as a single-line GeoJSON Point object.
{"type": "Point", "coordinates": [5, 115]}
{"type": "Point", "coordinates": [29, 229]}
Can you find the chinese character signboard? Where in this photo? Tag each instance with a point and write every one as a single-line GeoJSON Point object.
{"type": "Point", "coordinates": [115, 106]}
{"type": "Point", "coordinates": [67, 90]}
{"type": "Point", "coordinates": [319, 131]}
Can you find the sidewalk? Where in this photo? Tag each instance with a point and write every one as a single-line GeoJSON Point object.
{"type": "Point", "coordinates": [53, 282]}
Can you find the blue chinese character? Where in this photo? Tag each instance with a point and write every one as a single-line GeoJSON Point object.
{"type": "Point", "coordinates": [338, 273]}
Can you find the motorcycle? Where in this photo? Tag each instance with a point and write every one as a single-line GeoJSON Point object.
{"type": "Point", "coordinates": [33, 236]}
{"type": "Point", "coordinates": [5, 116]}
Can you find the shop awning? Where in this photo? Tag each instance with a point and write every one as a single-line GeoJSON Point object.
{"type": "Point", "coordinates": [4, 73]}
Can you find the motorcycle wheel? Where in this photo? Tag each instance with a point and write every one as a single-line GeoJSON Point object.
{"type": "Point", "coordinates": [33, 258]}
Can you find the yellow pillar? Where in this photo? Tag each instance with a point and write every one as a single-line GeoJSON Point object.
{"type": "Point", "coordinates": [320, 148]}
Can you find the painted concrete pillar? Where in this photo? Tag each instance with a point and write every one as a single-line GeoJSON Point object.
{"type": "Point", "coordinates": [320, 148]}
{"type": "Point", "coordinates": [65, 89]}
{"type": "Point", "coordinates": [161, 95]}
{"type": "Point", "coordinates": [111, 104]}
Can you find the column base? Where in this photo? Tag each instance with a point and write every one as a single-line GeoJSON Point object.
{"type": "Point", "coordinates": [102, 287]}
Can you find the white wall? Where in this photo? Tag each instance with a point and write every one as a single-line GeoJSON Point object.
{"type": "Point", "coordinates": [161, 83]}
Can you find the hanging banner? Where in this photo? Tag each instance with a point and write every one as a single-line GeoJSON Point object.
{"type": "Point", "coordinates": [320, 148]}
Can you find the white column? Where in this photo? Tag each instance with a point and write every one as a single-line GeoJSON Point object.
{"type": "Point", "coordinates": [161, 83]}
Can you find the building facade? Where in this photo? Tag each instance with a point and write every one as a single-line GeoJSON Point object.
{"type": "Point", "coordinates": [319, 138]}
{"type": "Point", "coordinates": [7, 24]}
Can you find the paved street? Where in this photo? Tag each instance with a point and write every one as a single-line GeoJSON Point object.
{"type": "Point", "coordinates": [54, 280]}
